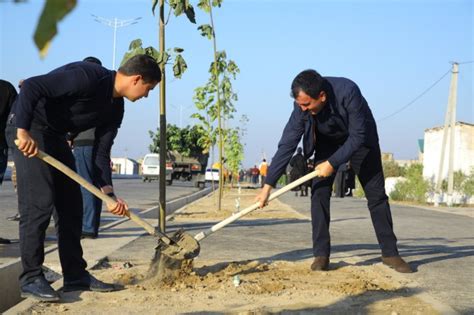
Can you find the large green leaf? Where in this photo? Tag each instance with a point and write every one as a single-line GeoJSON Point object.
{"type": "Point", "coordinates": [179, 66]}
{"type": "Point", "coordinates": [53, 12]}
{"type": "Point", "coordinates": [189, 11]}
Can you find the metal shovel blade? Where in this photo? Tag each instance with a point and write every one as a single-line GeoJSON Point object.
{"type": "Point", "coordinates": [183, 246]}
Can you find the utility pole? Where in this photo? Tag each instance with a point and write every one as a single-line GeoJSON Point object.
{"type": "Point", "coordinates": [115, 23]}
{"type": "Point", "coordinates": [449, 122]}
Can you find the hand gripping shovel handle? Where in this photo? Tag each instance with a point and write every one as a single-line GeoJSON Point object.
{"type": "Point", "coordinates": [94, 190]}
{"type": "Point", "coordinates": [253, 207]}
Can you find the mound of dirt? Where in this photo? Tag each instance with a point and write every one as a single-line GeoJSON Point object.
{"type": "Point", "coordinates": [248, 287]}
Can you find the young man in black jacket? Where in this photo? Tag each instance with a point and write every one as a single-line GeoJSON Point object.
{"type": "Point", "coordinates": [72, 98]}
{"type": "Point", "coordinates": [337, 126]}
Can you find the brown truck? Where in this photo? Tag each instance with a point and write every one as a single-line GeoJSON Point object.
{"type": "Point", "coordinates": [191, 169]}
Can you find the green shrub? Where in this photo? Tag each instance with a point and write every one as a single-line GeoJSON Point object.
{"type": "Point", "coordinates": [392, 169]}
{"type": "Point", "coordinates": [461, 183]}
{"type": "Point", "coordinates": [358, 191]}
{"type": "Point", "coordinates": [414, 188]}
{"type": "Point", "coordinates": [467, 186]}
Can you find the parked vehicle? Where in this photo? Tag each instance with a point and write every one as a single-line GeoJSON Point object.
{"type": "Point", "coordinates": [151, 168]}
{"type": "Point", "coordinates": [212, 175]}
{"type": "Point", "coordinates": [188, 168]}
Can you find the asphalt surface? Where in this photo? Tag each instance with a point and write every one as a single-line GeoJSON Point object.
{"type": "Point", "coordinates": [138, 195]}
{"type": "Point", "coordinates": [439, 245]}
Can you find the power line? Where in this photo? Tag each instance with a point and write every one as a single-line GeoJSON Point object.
{"type": "Point", "coordinates": [416, 98]}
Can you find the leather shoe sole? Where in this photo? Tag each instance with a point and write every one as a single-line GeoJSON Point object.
{"type": "Point", "coordinates": [39, 298]}
{"type": "Point", "coordinates": [90, 284]}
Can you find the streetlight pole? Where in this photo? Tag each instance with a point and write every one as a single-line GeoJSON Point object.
{"type": "Point", "coordinates": [115, 23]}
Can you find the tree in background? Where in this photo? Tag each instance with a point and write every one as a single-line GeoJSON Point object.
{"type": "Point", "coordinates": [221, 107]}
{"type": "Point", "coordinates": [234, 151]}
{"type": "Point", "coordinates": [188, 141]}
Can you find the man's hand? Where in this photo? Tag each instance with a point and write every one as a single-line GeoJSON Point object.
{"type": "Point", "coordinates": [26, 143]}
{"type": "Point", "coordinates": [120, 208]}
{"type": "Point", "coordinates": [325, 169]}
{"type": "Point", "coordinates": [262, 197]}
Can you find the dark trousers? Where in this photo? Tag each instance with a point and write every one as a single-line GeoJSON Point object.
{"type": "Point", "coordinates": [41, 190]}
{"type": "Point", "coordinates": [3, 161]}
{"type": "Point", "coordinates": [92, 206]}
{"type": "Point", "coordinates": [367, 164]}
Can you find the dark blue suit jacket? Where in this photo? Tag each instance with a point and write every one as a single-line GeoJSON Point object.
{"type": "Point", "coordinates": [344, 100]}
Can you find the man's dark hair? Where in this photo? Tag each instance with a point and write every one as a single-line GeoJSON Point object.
{"type": "Point", "coordinates": [310, 82]}
{"type": "Point", "coordinates": [299, 150]}
{"type": "Point", "coordinates": [93, 60]}
{"type": "Point", "coordinates": [144, 65]}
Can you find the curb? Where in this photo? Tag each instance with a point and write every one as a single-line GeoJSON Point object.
{"type": "Point", "coordinates": [9, 284]}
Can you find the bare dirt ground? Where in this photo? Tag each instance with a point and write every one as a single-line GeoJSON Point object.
{"type": "Point", "coordinates": [247, 287]}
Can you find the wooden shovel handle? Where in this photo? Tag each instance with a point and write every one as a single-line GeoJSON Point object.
{"type": "Point", "coordinates": [235, 216]}
{"type": "Point", "coordinates": [94, 190]}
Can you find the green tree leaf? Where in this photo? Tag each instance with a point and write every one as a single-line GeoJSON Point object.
{"type": "Point", "coordinates": [191, 15]}
{"type": "Point", "coordinates": [206, 30]}
{"type": "Point", "coordinates": [204, 5]}
{"type": "Point", "coordinates": [53, 12]}
{"type": "Point", "coordinates": [153, 6]}
{"type": "Point", "coordinates": [179, 66]}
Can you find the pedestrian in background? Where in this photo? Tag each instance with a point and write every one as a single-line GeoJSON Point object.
{"type": "Point", "coordinates": [7, 96]}
{"type": "Point", "coordinates": [255, 172]}
{"type": "Point", "coordinates": [299, 168]}
{"type": "Point", "coordinates": [263, 171]}
{"type": "Point", "coordinates": [85, 148]}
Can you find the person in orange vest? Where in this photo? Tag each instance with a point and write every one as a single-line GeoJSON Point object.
{"type": "Point", "coordinates": [263, 171]}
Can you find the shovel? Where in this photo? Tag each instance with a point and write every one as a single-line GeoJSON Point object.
{"type": "Point", "coordinates": [162, 238]}
{"type": "Point", "coordinates": [187, 247]}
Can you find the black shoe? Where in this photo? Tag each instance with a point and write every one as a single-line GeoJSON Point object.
{"type": "Point", "coordinates": [39, 290]}
{"type": "Point", "coordinates": [397, 263]}
{"type": "Point", "coordinates": [88, 235]}
{"type": "Point", "coordinates": [15, 217]}
{"type": "Point", "coordinates": [4, 241]}
{"type": "Point", "coordinates": [320, 263]}
{"type": "Point", "coordinates": [88, 283]}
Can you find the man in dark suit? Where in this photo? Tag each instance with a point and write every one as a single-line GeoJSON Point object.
{"type": "Point", "coordinates": [72, 98]}
{"type": "Point", "coordinates": [337, 125]}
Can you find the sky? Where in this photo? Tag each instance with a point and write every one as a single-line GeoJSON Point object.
{"type": "Point", "coordinates": [395, 50]}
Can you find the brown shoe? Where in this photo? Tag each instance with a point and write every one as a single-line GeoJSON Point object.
{"type": "Point", "coordinates": [397, 263]}
{"type": "Point", "coordinates": [320, 263]}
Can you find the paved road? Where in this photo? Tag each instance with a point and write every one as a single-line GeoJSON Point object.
{"type": "Point", "coordinates": [439, 245]}
{"type": "Point", "coordinates": [138, 195]}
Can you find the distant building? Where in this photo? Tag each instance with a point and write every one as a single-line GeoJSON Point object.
{"type": "Point", "coordinates": [124, 166]}
{"type": "Point", "coordinates": [463, 159]}
{"type": "Point", "coordinates": [388, 157]}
